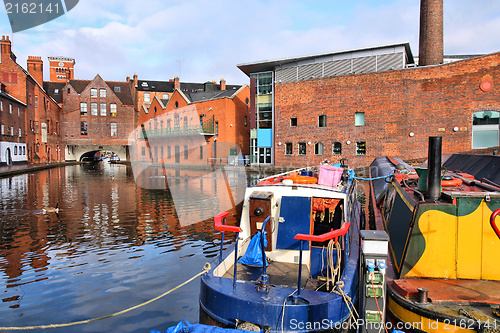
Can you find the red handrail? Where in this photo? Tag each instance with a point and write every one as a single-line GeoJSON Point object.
{"type": "Point", "coordinates": [222, 227]}
{"type": "Point", "coordinates": [324, 237]}
{"type": "Point", "coordinates": [492, 222]}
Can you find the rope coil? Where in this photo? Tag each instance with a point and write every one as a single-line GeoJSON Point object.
{"type": "Point", "coordinates": [206, 268]}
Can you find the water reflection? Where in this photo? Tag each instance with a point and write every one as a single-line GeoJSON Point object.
{"type": "Point", "coordinates": [112, 245]}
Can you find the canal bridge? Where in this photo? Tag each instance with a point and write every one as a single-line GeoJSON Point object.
{"type": "Point", "coordinates": [84, 152]}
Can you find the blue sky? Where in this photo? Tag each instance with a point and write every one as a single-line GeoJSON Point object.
{"type": "Point", "coordinates": [201, 40]}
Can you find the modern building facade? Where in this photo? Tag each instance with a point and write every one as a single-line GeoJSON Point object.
{"type": "Point", "coordinates": [266, 77]}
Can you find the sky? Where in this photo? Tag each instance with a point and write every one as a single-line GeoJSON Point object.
{"type": "Point", "coordinates": [200, 40]}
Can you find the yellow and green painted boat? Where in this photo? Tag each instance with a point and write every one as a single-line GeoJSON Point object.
{"type": "Point", "coordinates": [444, 265]}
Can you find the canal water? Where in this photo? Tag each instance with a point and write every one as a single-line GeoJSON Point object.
{"type": "Point", "coordinates": [112, 245]}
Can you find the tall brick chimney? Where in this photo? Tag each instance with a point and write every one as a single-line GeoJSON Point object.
{"type": "Point", "coordinates": [431, 33]}
{"type": "Point", "coordinates": [177, 84]}
{"type": "Point", "coordinates": [35, 68]}
{"type": "Point", "coordinates": [222, 84]}
{"type": "Point", "coordinates": [6, 47]}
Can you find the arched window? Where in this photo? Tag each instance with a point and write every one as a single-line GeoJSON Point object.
{"type": "Point", "coordinates": [485, 129]}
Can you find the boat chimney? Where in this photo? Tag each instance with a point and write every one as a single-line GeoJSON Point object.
{"type": "Point", "coordinates": [434, 168]}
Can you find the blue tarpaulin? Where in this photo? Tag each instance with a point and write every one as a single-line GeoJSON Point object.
{"type": "Point", "coordinates": [253, 255]}
{"type": "Point", "coordinates": [185, 326]}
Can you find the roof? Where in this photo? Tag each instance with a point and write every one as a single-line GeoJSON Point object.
{"type": "Point", "coordinates": [54, 90]}
{"type": "Point", "coordinates": [209, 95]}
{"type": "Point", "coordinates": [121, 89]}
{"type": "Point", "coordinates": [12, 98]}
{"type": "Point", "coordinates": [149, 85]}
{"type": "Point", "coordinates": [270, 65]}
{"type": "Point", "coordinates": [187, 87]}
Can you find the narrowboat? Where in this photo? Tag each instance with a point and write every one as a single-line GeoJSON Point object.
{"type": "Point", "coordinates": [294, 263]}
{"type": "Point", "coordinates": [444, 241]}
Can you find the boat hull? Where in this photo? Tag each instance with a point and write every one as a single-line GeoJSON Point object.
{"type": "Point", "coordinates": [223, 305]}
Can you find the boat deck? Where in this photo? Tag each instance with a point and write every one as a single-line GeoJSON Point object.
{"type": "Point", "coordinates": [450, 290]}
{"type": "Point", "coordinates": [280, 274]}
{"type": "Point", "coordinates": [479, 298]}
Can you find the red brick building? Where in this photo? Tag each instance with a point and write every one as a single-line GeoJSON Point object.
{"type": "Point", "coordinates": [61, 69]}
{"type": "Point", "coordinates": [184, 128]}
{"type": "Point", "coordinates": [42, 122]}
{"type": "Point", "coordinates": [364, 103]}
{"type": "Point", "coordinates": [12, 130]}
{"type": "Point", "coordinates": [97, 115]}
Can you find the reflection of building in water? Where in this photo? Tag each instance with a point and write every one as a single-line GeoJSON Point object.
{"type": "Point", "coordinates": [197, 195]}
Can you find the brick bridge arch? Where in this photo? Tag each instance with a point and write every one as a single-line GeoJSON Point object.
{"type": "Point", "coordinates": [75, 152]}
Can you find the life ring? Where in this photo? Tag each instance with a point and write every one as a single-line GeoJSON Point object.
{"type": "Point", "coordinates": [297, 179]}
{"type": "Point", "coordinates": [451, 182]}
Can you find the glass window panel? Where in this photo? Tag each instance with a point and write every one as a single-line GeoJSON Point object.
{"type": "Point", "coordinates": [359, 119]}
{"type": "Point", "coordinates": [485, 138]}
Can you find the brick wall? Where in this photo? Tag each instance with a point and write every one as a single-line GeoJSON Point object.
{"type": "Point", "coordinates": [425, 101]}
{"type": "Point", "coordinates": [98, 127]}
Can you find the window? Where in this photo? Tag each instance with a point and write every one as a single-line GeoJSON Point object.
{"type": "Point", "coordinates": [69, 91]}
{"type": "Point", "coordinates": [337, 148]}
{"type": "Point", "coordinates": [161, 153]}
{"type": "Point", "coordinates": [10, 108]}
{"type": "Point", "coordinates": [185, 123]}
{"type": "Point", "coordinates": [2, 130]}
{"type": "Point", "coordinates": [83, 109]}
{"type": "Point", "coordinates": [318, 148]}
{"type": "Point", "coordinates": [20, 132]}
{"type": "Point", "coordinates": [147, 97]}
{"type": "Point", "coordinates": [114, 130]}
{"type": "Point", "coordinates": [102, 92]}
{"type": "Point", "coordinates": [216, 128]}
{"type": "Point", "coordinates": [361, 148]}
{"type": "Point", "coordinates": [112, 109]}
{"type": "Point", "coordinates": [293, 122]}
{"type": "Point", "coordinates": [288, 148]}
{"type": "Point", "coordinates": [117, 89]}
{"type": "Point", "coordinates": [103, 110]}
{"type": "Point", "coordinates": [1, 105]}
{"type": "Point", "coordinates": [186, 152]}
{"type": "Point", "coordinates": [12, 131]}
{"type": "Point", "coordinates": [176, 105]}
{"type": "Point", "coordinates": [93, 92]}
{"type": "Point", "coordinates": [56, 91]}
{"type": "Point", "coordinates": [169, 152]}
{"type": "Point", "coordinates": [83, 128]}
{"type": "Point", "coordinates": [36, 127]}
{"type": "Point", "coordinates": [165, 96]}
{"type": "Point", "coordinates": [15, 150]}
{"type": "Point", "coordinates": [322, 121]}
{"type": "Point", "coordinates": [201, 152]}
{"type": "Point", "coordinates": [36, 101]}
{"type": "Point", "coordinates": [359, 119]}
{"type": "Point", "coordinates": [485, 131]}
{"type": "Point", "coordinates": [302, 148]}
{"type": "Point", "coordinates": [18, 111]}
{"type": "Point", "coordinates": [246, 121]}
{"type": "Point", "coordinates": [93, 109]}
{"type": "Point", "coordinates": [143, 154]}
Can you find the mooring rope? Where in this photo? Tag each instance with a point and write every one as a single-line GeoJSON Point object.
{"type": "Point", "coordinates": [206, 268]}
